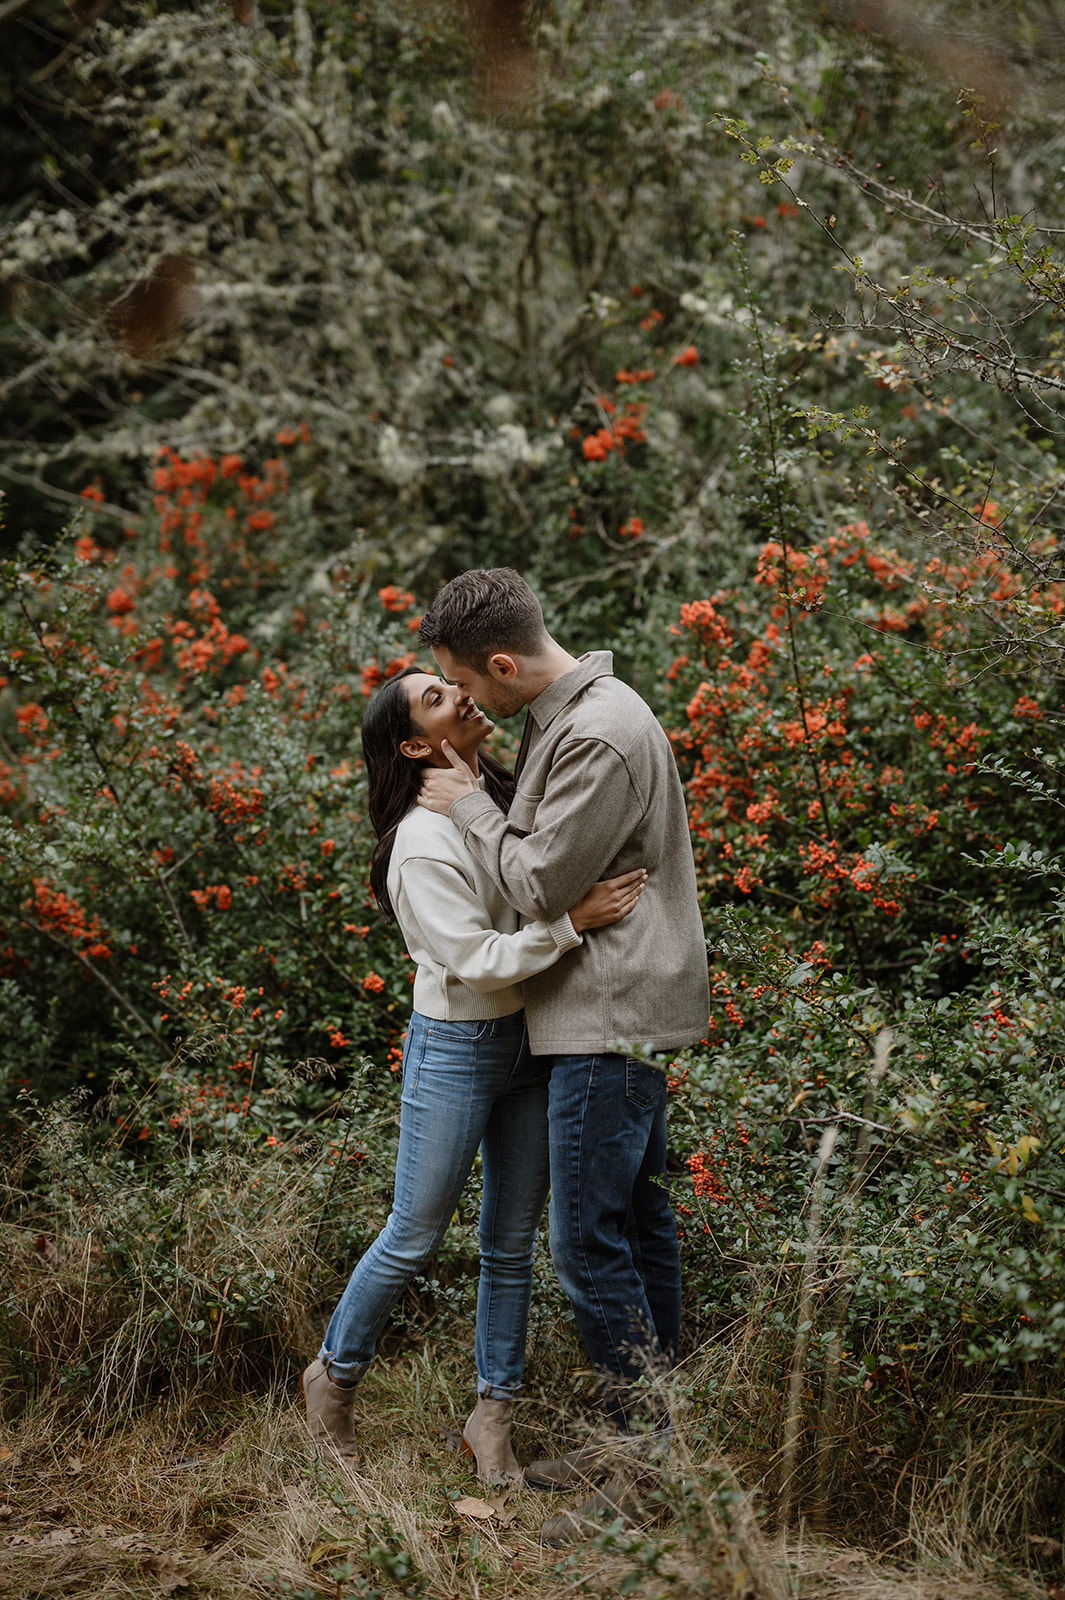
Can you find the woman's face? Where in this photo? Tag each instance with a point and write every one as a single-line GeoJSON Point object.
{"type": "Point", "coordinates": [439, 711]}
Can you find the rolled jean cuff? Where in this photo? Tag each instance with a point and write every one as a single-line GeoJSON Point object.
{"type": "Point", "coordinates": [346, 1371]}
{"type": "Point", "coordinates": [496, 1391]}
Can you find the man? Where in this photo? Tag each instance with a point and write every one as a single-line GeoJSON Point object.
{"type": "Point", "coordinates": [598, 793]}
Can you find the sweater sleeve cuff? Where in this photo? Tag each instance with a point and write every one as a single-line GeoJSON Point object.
{"type": "Point", "coordinates": [564, 933]}
{"type": "Point", "coordinates": [469, 806]}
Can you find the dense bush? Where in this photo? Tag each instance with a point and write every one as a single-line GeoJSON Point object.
{"type": "Point", "coordinates": [186, 825]}
{"type": "Point", "coordinates": [871, 873]}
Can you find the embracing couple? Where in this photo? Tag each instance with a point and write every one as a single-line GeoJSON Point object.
{"type": "Point", "coordinates": [553, 919]}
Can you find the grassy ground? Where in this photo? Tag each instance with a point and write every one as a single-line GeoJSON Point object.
{"type": "Point", "coordinates": [221, 1496]}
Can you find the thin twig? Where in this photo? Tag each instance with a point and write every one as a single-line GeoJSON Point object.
{"type": "Point", "coordinates": [793, 1418]}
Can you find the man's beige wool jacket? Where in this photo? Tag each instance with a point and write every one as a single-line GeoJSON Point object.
{"type": "Point", "coordinates": [598, 793]}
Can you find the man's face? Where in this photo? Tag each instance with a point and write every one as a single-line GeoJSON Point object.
{"type": "Point", "coordinates": [495, 689]}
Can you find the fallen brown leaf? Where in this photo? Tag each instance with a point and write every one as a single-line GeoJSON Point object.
{"type": "Point", "coordinates": [500, 1504]}
{"type": "Point", "coordinates": [470, 1506]}
{"type": "Point", "coordinates": [166, 1567]}
{"type": "Point", "coordinates": [131, 1541]}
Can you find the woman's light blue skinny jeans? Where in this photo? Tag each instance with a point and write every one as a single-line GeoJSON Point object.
{"type": "Point", "coordinates": [465, 1084]}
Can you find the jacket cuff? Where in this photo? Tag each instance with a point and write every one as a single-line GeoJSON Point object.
{"type": "Point", "coordinates": [564, 933]}
{"type": "Point", "coordinates": [468, 806]}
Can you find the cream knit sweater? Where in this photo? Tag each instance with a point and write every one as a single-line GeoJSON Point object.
{"type": "Point", "coordinates": [469, 952]}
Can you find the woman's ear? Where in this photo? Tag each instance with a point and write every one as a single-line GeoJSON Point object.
{"type": "Point", "coordinates": [415, 749]}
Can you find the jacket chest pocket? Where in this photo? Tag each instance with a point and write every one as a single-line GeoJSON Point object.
{"type": "Point", "coordinates": [523, 809]}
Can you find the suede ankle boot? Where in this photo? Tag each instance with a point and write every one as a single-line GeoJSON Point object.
{"type": "Point", "coordinates": [329, 1403]}
{"type": "Point", "coordinates": [486, 1437]}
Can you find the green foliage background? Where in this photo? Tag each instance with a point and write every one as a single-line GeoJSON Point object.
{"type": "Point", "coordinates": [741, 338]}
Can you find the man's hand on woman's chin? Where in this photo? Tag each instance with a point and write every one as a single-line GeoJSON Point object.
{"type": "Point", "coordinates": [442, 786]}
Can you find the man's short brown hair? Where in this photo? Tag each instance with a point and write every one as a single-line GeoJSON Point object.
{"type": "Point", "coordinates": [483, 611]}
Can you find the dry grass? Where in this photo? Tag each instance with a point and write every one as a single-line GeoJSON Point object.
{"type": "Point", "coordinates": [222, 1497]}
{"type": "Point", "coordinates": [947, 1472]}
{"type": "Point", "coordinates": [128, 1279]}
{"type": "Point", "coordinates": [216, 1493]}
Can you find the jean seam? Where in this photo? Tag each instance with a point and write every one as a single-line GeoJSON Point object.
{"type": "Point", "coordinates": [636, 1247]}
{"type": "Point", "coordinates": [421, 1036]}
{"type": "Point", "coordinates": [480, 1233]}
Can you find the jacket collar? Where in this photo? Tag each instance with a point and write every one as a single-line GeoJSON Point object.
{"type": "Point", "coordinates": [557, 695]}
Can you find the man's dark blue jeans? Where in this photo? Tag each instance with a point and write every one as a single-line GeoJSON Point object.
{"type": "Point", "coordinates": [613, 1236]}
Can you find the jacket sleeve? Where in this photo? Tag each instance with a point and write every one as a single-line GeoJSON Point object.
{"type": "Point", "coordinates": [458, 933]}
{"type": "Point", "coordinates": [589, 810]}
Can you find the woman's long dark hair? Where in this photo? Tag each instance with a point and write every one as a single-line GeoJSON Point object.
{"type": "Point", "coordinates": [393, 779]}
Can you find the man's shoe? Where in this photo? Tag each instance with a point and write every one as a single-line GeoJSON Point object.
{"type": "Point", "coordinates": [329, 1403]}
{"type": "Point", "coordinates": [619, 1496]}
{"type": "Point", "coordinates": [590, 1464]}
{"type": "Point", "coordinates": [486, 1439]}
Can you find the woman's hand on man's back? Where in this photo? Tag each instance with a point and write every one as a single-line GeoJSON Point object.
{"type": "Point", "coordinates": [608, 901]}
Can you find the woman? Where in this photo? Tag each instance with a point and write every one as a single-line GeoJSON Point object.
{"type": "Point", "coordinates": [468, 1078]}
